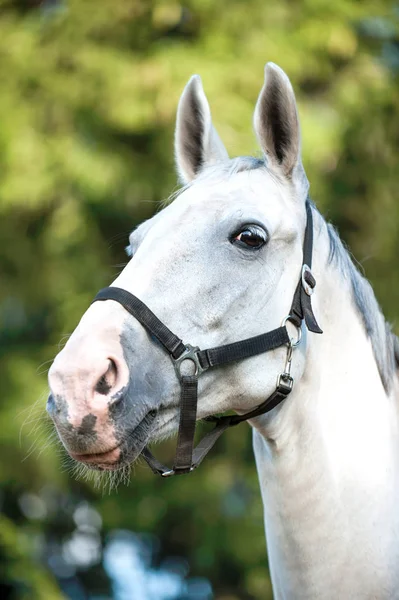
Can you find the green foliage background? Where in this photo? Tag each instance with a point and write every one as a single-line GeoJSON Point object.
{"type": "Point", "coordinates": [88, 94]}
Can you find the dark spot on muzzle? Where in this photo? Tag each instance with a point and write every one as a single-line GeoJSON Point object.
{"type": "Point", "coordinates": [79, 439]}
{"type": "Point", "coordinates": [87, 425]}
{"type": "Point", "coordinates": [83, 438]}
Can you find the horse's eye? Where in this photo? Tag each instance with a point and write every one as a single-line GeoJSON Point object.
{"type": "Point", "coordinates": [250, 236]}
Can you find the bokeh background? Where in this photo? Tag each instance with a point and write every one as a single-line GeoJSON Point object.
{"type": "Point", "coordinates": [88, 95]}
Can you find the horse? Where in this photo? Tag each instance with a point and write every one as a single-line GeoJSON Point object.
{"type": "Point", "coordinates": [221, 262]}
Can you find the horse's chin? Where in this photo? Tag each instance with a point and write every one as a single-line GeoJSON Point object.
{"type": "Point", "coordinates": [151, 429]}
{"type": "Point", "coordinates": [102, 461]}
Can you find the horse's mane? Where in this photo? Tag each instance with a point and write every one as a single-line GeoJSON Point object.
{"type": "Point", "coordinates": [384, 342]}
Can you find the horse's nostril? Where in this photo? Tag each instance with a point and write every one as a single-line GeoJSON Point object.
{"type": "Point", "coordinates": [107, 381]}
{"type": "Point", "coordinates": [102, 386]}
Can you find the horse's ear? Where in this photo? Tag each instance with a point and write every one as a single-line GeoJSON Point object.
{"type": "Point", "coordinates": [277, 126]}
{"type": "Point", "coordinates": [197, 143]}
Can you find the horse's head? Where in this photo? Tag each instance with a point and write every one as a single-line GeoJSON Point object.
{"type": "Point", "coordinates": [218, 264]}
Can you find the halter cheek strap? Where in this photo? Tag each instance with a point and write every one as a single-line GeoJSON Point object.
{"type": "Point", "coordinates": [187, 457]}
{"type": "Point", "coordinates": [301, 308]}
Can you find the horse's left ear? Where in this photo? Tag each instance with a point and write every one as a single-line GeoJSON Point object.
{"type": "Point", "coordinates": [197, 143]}
{"type": "Point", "coordinates": [276, 125]}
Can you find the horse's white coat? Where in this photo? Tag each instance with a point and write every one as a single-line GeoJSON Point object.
{"type": "Point", "coordinates": [328, 456]}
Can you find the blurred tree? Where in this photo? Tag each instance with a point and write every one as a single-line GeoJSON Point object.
{"type": "Point", "coordinates": [88, 97]}
{"type": "Point", "coordinates": [20, 576]}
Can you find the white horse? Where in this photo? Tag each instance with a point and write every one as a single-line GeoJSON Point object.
{"type": "Point", "coordinates": [219, 264]}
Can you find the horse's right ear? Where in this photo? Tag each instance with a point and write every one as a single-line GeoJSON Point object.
{"type": "Point", "coordinates": [277, 127]}
{"type": "Point", "coordinates": [197, 143]}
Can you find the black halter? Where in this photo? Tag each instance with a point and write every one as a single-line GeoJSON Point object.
{"type": "Point", "coordinates": [187, 457]}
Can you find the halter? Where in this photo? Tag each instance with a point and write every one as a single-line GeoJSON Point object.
{"type": "Point", "coordinates": [187, 457]}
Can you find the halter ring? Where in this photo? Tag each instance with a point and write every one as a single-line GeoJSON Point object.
{"type": "Point", "coordinates": [190, 353]}
{"type": "Point", "coordinates": [293, 343]}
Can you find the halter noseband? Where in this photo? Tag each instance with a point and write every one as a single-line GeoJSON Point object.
{"type": "Point", "coordinates": [187, 457]}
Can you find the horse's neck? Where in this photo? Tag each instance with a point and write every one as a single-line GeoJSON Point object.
{"type": "Point", "coordinates": [327, 464]}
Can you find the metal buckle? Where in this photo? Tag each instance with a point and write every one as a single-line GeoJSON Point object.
{"type": "Point", "coordinates": [308, 288]}
{"type": "Point", "coordinates": [173, 472]}
{"type": "Point", "coordinates": [168, 473]}
{"type": "Point", "coordinates": [190, 353]}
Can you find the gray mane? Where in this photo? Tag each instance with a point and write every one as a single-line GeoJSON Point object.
{"type": "Point", "coordinates": [384, 343]}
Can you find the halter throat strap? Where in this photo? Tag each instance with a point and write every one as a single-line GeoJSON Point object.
{"type": "Point", "coordinates": [187, 457]}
